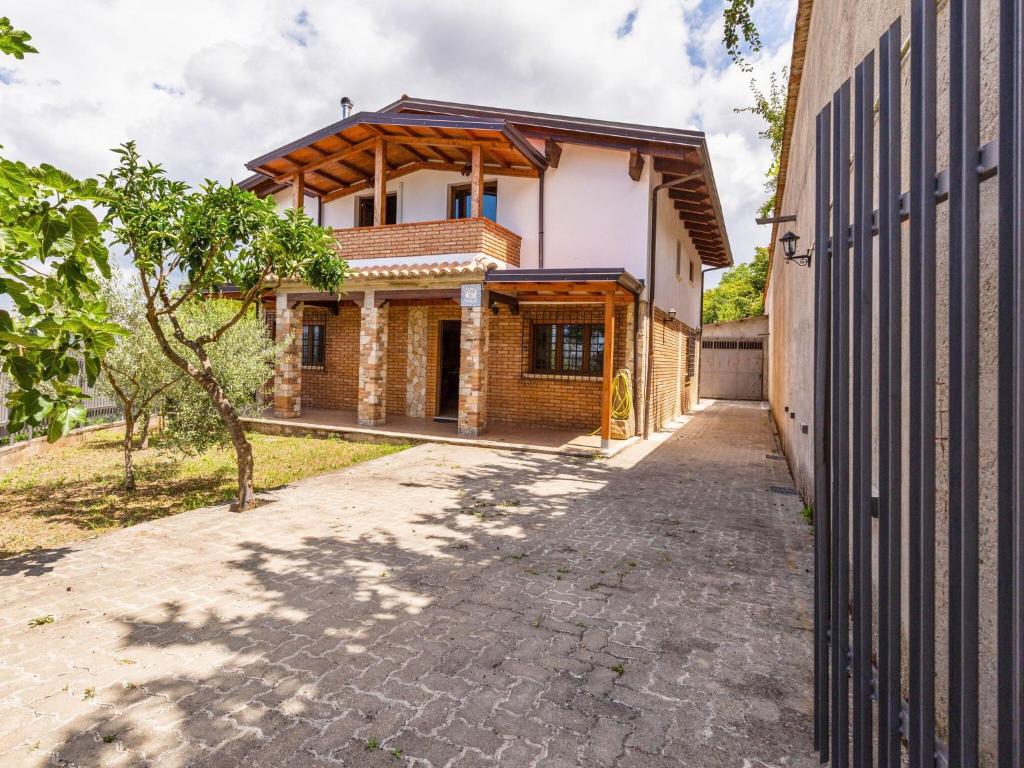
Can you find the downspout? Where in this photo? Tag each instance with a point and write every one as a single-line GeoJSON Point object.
{"type": "Point", "coordinates": [700, 338]}
{"type": "Point", "coordinates": [652, 238]}
{"type": "Point", "coordinates": [540, 223]}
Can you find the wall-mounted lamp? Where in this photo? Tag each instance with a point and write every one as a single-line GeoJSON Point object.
{"type": "Point", "coordinates": [467, 169]}
{"type": "Point", "coordinates": [671, 314]}
{"type": "Point", "coordinates": [789, 241]}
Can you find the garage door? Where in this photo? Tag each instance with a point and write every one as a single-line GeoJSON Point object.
{"type": "Point", "coordinates": [732, 369]}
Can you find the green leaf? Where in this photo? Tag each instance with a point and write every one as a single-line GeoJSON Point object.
{"type": "Point", "coordinates": [83, 224]}
{"type": "Point", "coordinates": [23, 371]}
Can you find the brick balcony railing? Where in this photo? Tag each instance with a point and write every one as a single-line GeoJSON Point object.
{"type": "Point", "coordinates": [430, 238]}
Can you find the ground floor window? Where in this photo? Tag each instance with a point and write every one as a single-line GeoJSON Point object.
{"type": "Point", "coordinates": [573, 349]}
{"type": "Point", "coordinates": [314, 342]}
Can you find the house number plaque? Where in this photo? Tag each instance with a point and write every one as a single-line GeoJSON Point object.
{"type": "Point", "coordinates": [471, 295]}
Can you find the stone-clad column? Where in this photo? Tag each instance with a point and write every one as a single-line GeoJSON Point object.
{"type": "Point", "coordinates": [416, 378]}
{"type": "Point", "coordinates": [288, 371]}
{"type": "Point", "coordinates": [373, 342]}
{"type": "Point", "coordinates": [473, 370]}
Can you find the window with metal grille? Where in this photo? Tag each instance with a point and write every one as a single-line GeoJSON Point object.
{"type": "Point", "coordinates": [314, 342]}
{"type": "Point", "coordinates": [567, 349]}
{"type": "Point", "coordinates": [691, 355]}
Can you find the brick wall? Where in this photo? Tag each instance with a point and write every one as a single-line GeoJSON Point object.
{"type": "Point", "coordinates": [430, 238]}
{"type": "Point", "coordinates": [672, 393]}
{"type": "Point", "coordinates": [561, 403]}
{"type": "Point", "coordinates": [336, 385]}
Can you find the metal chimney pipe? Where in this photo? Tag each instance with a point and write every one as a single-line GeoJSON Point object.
{"type": "Point", "coordinates": [346, 107]}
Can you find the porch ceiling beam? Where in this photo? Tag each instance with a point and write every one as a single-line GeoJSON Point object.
{"type": "Point", "coordinates": [420, 293]}
{"type": "Point", "coordinates": [500, 298]}
{"type": "Point", "coordinates": [445, 141]}
{"type": "Point", "coordinates": [334, 157]}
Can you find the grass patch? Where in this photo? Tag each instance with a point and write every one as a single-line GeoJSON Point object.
{"type": "Point", "coordinates": [75, 492]}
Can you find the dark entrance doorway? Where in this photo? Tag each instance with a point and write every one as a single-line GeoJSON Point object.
{"type": "Point", "coordinates": [448, 370]}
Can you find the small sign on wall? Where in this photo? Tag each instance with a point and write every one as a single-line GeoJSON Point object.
{"type": "Point", "coordinates": [471, 295]}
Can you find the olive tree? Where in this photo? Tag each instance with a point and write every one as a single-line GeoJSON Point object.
{"type": "Point", "coordinates": [186, 243]}
{"type": "Point", "coordinates": [136, 372]}
{"type": "Point", "coordinates": [243, 362]}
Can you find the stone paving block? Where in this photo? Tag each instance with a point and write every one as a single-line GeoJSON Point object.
{"type": "Point", "coordinates": [679, 633]}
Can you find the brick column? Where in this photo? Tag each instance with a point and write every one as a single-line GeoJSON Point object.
{"type": "Point", "coordinates": [288, 371]}
{"type": "Point", "coordinates": [473, 370]}
{"type": "Point", "coordinates": [373, 343]}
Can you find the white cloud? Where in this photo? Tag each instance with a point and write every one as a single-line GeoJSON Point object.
{"type": "Point", "coordinates": [203, 87]}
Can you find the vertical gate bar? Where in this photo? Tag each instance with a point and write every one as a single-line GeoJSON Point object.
{"type": "Point", "coordinates": [964, 137]}
{"type": "Point", "coordinates": [840, 445]}
{"type": "Point", "coordinates": [922, 386]}
{"type": "Point", "coordinates": [860, 474]}
{"type": "Point", "coordinates": [822, 287]}
{"type": "Point", "coordinates": [890, 399]}
{"type": "Point", "coordinates": [1010, 525]}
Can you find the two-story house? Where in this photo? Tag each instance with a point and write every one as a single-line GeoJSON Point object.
{"type": "Point", "coordinates": [505, 265]}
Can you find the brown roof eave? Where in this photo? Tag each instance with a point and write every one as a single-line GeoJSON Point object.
{"type": "Point", "coordinates": [510, 132]}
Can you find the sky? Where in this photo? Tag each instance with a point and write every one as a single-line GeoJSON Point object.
{"type": "Point", "coordinates": [205, 86]}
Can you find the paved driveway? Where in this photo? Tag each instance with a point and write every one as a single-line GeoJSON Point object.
{"type": "Point", "coordinates": [446, 606]}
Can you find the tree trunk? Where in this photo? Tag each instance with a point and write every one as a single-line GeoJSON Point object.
{"type": "Point", "coordinates": [129, 469]}
{"type": "Point", "coordinates": [144, 437]}
{"type": "Point", "coordinates": [243, 448]}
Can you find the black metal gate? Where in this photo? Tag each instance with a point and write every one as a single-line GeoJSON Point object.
{"type": "Point", "coordinates": [872, 701]}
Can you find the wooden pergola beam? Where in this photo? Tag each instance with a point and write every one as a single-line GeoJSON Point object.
{"type": "Point", "coordinates": [609, 370]}
{"type": "Point", "coordinates": [299, 191]}
{"type": "Point", "coordinates": [380, 170]}
{"type": "Point", "coordinates": [476, 207]}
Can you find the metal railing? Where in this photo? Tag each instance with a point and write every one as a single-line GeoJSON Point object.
{"type": "Point", "coordinates": [99, 407]}
{"type": "Point", "coordinates": [858, 664]}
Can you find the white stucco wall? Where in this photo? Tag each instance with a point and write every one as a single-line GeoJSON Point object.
{"type": "Point", "coordinates": [595, 215]}
{"type": "Point", "coordinates": [675, 290]}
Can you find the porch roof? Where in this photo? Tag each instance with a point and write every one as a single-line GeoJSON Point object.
{"type": "Point", "coordinates": [339, 160]}
{"type": "Point", "coordinates": [586, 284]}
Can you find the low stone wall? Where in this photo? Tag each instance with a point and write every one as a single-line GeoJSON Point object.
{"type": "Point", "coordinates": [12, 455]}
{"type": "Point", "coordinates": [310, 430]}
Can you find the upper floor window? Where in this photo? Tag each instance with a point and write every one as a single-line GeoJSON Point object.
{"type": "Point", "coordinates": [460, 201]}
{"type": "Point", "coordinates": [364, 210]}
{"type": "Point", "coordinates": [679, 259]}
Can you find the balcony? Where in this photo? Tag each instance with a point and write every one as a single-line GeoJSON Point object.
{"type": "Point", "coordinates": [430, 238]}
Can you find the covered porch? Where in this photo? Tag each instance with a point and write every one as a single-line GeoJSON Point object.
{"type": "Point", "coordinates": [472, 351]}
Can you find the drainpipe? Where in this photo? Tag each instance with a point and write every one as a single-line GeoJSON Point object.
{"type": "Point", "coordinates": [540, 223]}
{"type": "Point", "coordinates": [652, 237]}
{"type": "Point", "coordinates": [700, 338]}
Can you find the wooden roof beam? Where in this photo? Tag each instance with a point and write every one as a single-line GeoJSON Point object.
{"type": "Point", "coordinates": [552, 152]}
{"type": "Point", "coordinates": [636, 165]}
{"type": "Point", "coordinates": [334, 157]}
